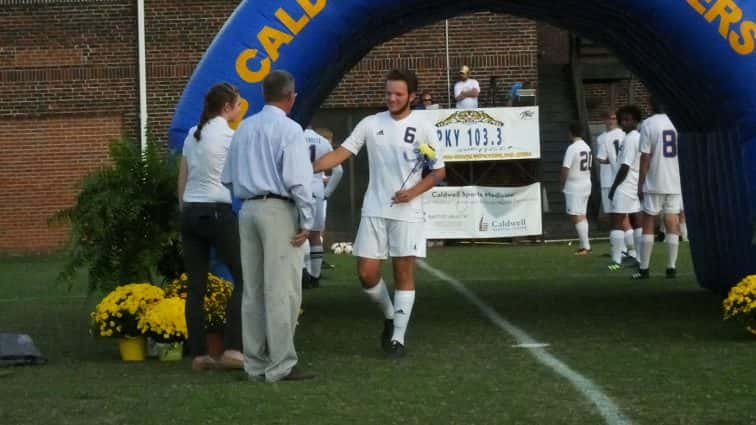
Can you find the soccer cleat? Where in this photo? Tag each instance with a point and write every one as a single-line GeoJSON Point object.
{"type": "Point", "coordinates": [327, 265]}
{"type": "Point", "coordinates": [582, 252]}
{"type": "Point", "coordinates": [671, 273]}
{"type": "Point", "coordinates": [395, 350]}
{"type": "Point", "coordinates": [642, 274]}
{"type": "Point", "coordinates": [388, 332]}
{"type": "Point", "coordinates": [613, 267]}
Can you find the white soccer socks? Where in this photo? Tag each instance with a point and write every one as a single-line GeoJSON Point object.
{"type": "Point", "coordinates": [673, 245]}
{"type": "Point", "coordinates": [617, 240]}
{"type": "Point", "coordinates": [316, 260]}
{"type": "Point", "coordinates": [403, 302]}
{"type": "Point", "coordinates": [380, 295]}
{"type": "Point", "coordinates": [638, 241]}
{"type": "Point", "coordinates": [646, 250]}
{"type": "Point", "coordinates": [684, 230]}
{"type": "Point", "coordinates": [630, 243]}
{"type": "Point", "coordinates": [582, 231]}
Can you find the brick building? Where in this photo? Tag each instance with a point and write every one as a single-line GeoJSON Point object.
{"type": "Point", "coordinates": [69, 85]}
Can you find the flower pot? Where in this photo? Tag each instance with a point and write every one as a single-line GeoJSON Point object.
{"type": "Point", "coordinates": [215, 345]}
{"type": "Point", "coordinates": [132, 348]}
{"type": "Point", "coordinates": [170, 351]}
{"type": "Point", "coordinates": [152, 351]}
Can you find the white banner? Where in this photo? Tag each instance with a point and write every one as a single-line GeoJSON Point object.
{"type": "Point", "coordinates": [473, 212]}
{"type": "Point", "coordinates": [487, 134]}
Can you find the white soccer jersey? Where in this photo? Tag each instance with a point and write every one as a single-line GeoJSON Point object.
{"type": "Point", "coordinates": [391, 148]}
{"type": "Point", "coordinates": [578, 160]}
{"type": "Point", "coordinates": [609, 144]}
{"type": "Point", "coordinates": [317, 146]}
{"type": "Point", "coordinates": [658, 137]}
{"type": "Point", "coordinates": [630, 156]}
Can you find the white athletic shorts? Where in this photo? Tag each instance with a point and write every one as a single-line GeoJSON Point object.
{"type": "Point", "coordinates": [655, 203]}
{"type": "Point", "coordinates": [380, 238]}
{"type": "Point", "coordinates": [625, 204]}
{"type": "Point", "coordinates": [606, 203]}
{"type": "Point", "coordinates": [319, 215]}
{"type": "Point", "coordinates": [576, 204]}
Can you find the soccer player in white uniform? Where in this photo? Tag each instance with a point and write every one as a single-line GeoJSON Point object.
{"type": "Point", "coordinates": [576, 185]}
{"type": "Point", "coordinates": [624, 190]}
{"type": "Point", "coordinates": [466, 90]}
{"type": "Point", "coordinates": [608, 145]}
{"type": "Point", "coordinates": [318, 146]}
{"type": "Point", "coordinates": [392, 210]}
{"type": "Point", "coordinates": [659, 187]}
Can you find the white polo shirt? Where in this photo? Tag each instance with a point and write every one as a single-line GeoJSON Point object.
{"type": "Point", "coordinates": [468, 102]}
{"type": "Point", "coordinates": [205, 159]}
{"type": "Point", "coordinates": [391, 146]}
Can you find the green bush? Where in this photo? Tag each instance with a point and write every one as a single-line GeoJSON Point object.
{"type": "Point", "coordinates": [125, 220]}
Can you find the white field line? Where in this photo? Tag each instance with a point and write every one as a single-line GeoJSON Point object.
{"type": "Point", "coordinates": [606, 407]}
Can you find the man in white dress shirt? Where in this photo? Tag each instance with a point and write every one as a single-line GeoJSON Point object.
{"type": "Point", "coordinates": [466, 90]}
{"type": "Point", "coordinates": [268, 166]}
{"type": "Point", "coordinates": [392, 210]}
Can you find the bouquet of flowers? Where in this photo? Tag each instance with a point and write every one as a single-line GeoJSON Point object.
{"type": "Point", "coordinates": [426, 157]}
{"type": "Point", "coordinates": [740, 303]}
{"type": "Point", "coordinates": [164, 320]}
{"type": "Point", "coordinates": [217, 294]}
{"type": "Point", "coordinates": [119, 312]}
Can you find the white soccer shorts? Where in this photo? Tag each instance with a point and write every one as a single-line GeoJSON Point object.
{"type": "Point", "coordinates": [655, 203]}
{"type": "Point", "coordinates": [576, 204]}
{"type": "Point", "coordinates": [380, 238]}
{"type": "Point", "coordinates": [625, 204]}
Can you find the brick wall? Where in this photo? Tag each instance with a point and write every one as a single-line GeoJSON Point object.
{"type": "Point", "coordinates": [493, 45]}
{"type": "Point", "coordinates": [42, 162]}
{"type": "Point", "coordinates": [602, 96]}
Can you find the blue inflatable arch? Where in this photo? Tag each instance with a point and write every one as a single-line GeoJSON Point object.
{"type": "Point", "coordinates": [698, 56]}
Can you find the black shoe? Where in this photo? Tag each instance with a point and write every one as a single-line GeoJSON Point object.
{"type": "Point", "coordinates": [327, 265]}
{"type": "Point", "coordinates": [395, 351]}
{"type": "Point", "coordinates": [671, 273]}
{"type": "Point", "coordinates": [314, 282]}
{"type": "Point", "coordinates": [388, 332]}
{"type": "Point", "coordinates": [642, 274]}
{"type": "Point", "coordinates": [297, 374]}
{"type": "Point", "coordinates": [306, 280]}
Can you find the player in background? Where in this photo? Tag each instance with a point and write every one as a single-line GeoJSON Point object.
{"type": "Point", "coordinates": [609, 144]}
{"type": "Point", "coordinates": [318, 146]}
{"type": "Point", "coordinates": [392, 210]}
{"type": "Point", "coordinates": [576, 184]}
{"type": "Point", "coordinates": [659, 187]}
{"type": "Point", "coordinates": [624, 190]}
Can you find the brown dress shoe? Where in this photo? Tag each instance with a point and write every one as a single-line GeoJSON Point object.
{"type": "Point", "coordinates": [203, 363]}
{"type": "Point", "coordinates": [297, 374]}
{"type": "Point", "coordinates": [231, 360]}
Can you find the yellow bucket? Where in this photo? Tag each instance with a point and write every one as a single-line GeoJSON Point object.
{"type": "Point", "coordinates": [133, 349]}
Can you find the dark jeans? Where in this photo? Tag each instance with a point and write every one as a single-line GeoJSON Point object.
{"type": "Point", "coordinates": [206, 225]}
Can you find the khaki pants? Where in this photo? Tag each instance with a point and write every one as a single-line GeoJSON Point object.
{"type": "Point", "coordinates": [272, 270]}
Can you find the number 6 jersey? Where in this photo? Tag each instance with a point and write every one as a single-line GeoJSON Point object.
{"type": "Point", "coordinates": [658, 137]}
{"type": "Point", "coordinates": [392, 158]}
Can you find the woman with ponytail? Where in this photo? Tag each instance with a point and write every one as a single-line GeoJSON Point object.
{"type": "Point", "coordinates": [207, 221]}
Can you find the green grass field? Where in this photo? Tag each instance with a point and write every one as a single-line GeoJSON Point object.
{"type": "Point", "coordinates": [658, 350]}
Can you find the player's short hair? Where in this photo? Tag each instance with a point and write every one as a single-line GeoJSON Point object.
{"type": "Point", "coordinates": [406, 75]}
{"type": "Point", "coordinates": [576, 129]}
{"type": "Point", "coordinates": [631, 110]}
{"type": "Point", "coordinates": [657, 106]}
{"type": "Point", "coordinates": [325, 132]}
{"type": "Point", "coordinates": [277, 85]}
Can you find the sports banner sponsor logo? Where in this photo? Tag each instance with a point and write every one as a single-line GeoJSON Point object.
{"type": "Point", "coordinates": [486, 134]}
{"type": "Point", "coordinates": [473, 212]}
